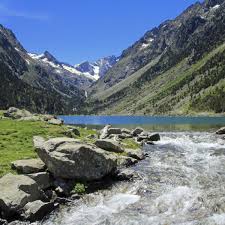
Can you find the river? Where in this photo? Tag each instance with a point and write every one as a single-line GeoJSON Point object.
{"type": "Point", "coordinates": [182, 181]}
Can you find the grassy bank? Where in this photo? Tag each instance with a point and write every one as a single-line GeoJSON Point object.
{"type": "Point", "coordinates": [16, 139]}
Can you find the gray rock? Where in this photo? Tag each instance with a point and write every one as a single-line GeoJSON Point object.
{"type": "Point", "coordinates": [126, 174]}
{"type": "Point", "coordinates": [43, 179]}
{"type": "Point", "coordinates": [221, 131]}
{"type": "Point", "coordinates": [27, 166]}
{"type": "Point", "coordinates": [125, 131]}
{"type": "Point", "coordinates": [109, 145]}
{"type": "Point", "coordinates": [16, 192]}
{"type": "Point", "coordinates": [154, 137]}
{"type": "Point", "coordinates": [16, 113]}
{"type": "Point", "coordinates": [141, 138]}
{"type": "Point", "coordinates": [37, 210]}
{"type": "Point", "coordinates": [124, 161]}
{"type": "Point", "coordinates": [69, 159]}
{"type": "Point", "coordinates": [135, 153]}
{"type": "Point", "coordinates": [48, 117]}
{"type": "Point", "coordinates": [137, 131]}
{"type": "Point", "coordinates": [54, 121]}
{"type": "Point", "coordinates": [104, 132]}
{"type": "Point", "coordinates": [148, 137]}
{"type": "Point", "coordinates": [114, 131]}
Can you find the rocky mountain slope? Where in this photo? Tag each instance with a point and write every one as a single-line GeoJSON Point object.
{"type": "Point", "coordinates": [174, 68]}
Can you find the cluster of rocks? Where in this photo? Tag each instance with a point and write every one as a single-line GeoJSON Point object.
{"type": "Point", "coordinates": [62, 162]}
{"type": "Point", "coordinates": [22, 114]}
{"type": "Point", "coordinates": [138, 134]}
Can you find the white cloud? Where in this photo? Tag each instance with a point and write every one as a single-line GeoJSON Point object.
{"type": "Point", "coordinates": [6, 12]}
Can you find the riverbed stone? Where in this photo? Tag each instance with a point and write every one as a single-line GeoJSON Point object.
{"type": "Point", "coordinates": [37, 210]}
{"type": "Point", "coordinates": [154, 137]}
{"type": "Point", "coordinates": [16, 192]}
{"type": "Point", "coordinates": [70, 159]}
{"type": "Point", "coordinates": [109, 145]}
{"type": "Point", "coordinates": [27, 166]}
{"type": "Point", "coordinates": [126, 174]}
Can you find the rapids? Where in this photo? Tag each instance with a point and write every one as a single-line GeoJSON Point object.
{"type": "Point", "coordinates": [181, 182]}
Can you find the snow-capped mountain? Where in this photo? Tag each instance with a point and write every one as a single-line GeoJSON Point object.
{"type": "Point", "coordinates": [98, 68]}
{"type": "Point", "coordinates": [91, 71]}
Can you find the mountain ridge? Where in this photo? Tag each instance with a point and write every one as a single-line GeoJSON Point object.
{"type": "Point", "coordinates": [186, 40]}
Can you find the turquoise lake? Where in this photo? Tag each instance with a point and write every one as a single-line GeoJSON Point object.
{"type": "Point", "coordinates": [161, 123]}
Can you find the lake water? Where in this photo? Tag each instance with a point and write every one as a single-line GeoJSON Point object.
{"type": "Point", "coordinates": [160, 123]}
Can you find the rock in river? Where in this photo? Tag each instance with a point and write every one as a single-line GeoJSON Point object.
{"type": "Point", "coordinates": [37, 210]}
{"type": "Point", "coordinates": [221, 131]}
{"type": "Point", "coordinates": [70, 159]}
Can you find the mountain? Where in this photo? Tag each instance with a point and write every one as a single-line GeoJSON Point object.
{"type": "Point", "coordinates": [175, 68]}
{"type": "Point", "coordinates": [28, 83]}
{"type": "Point", "coordinates": [98, 68]}
{"type": "Point", "coordinates": [65, 70]}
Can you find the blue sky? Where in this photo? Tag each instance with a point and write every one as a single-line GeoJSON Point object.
{"type": "Point", "coordinates": [79, 30]}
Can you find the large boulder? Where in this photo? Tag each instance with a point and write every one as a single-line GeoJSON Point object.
{"type": "Point", "coordinates": [70, 159]}
{"type": "Point", "coordinates": [37, 210]}
{"type": "Point", "coordinates": [221, 131]}
{"type": "Point", "coordinates": [15, 113]}
{"type": "Point", "coordinates": [27, 166]}
{"type": "Point", "coordinates": [109, 145]}
{"type": "Point", "coordinates": [16, 192]}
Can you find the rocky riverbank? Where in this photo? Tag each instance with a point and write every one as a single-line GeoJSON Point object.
{"type": "Point", "coordinates": [66, 167]}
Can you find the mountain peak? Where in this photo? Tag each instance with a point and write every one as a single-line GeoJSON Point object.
{"type": "Point", "coordinates": [98, 68]}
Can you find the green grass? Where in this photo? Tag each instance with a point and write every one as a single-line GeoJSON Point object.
{"type": "Point", "coordinates": [130, 143]}
{"type": "Point", "coordinates": [16, 140]}
{"type": "Point", "coordinates": [79, 188]}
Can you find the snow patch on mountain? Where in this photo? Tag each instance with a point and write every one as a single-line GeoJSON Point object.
{"type": "Point", "coordinates": [98, 68]}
